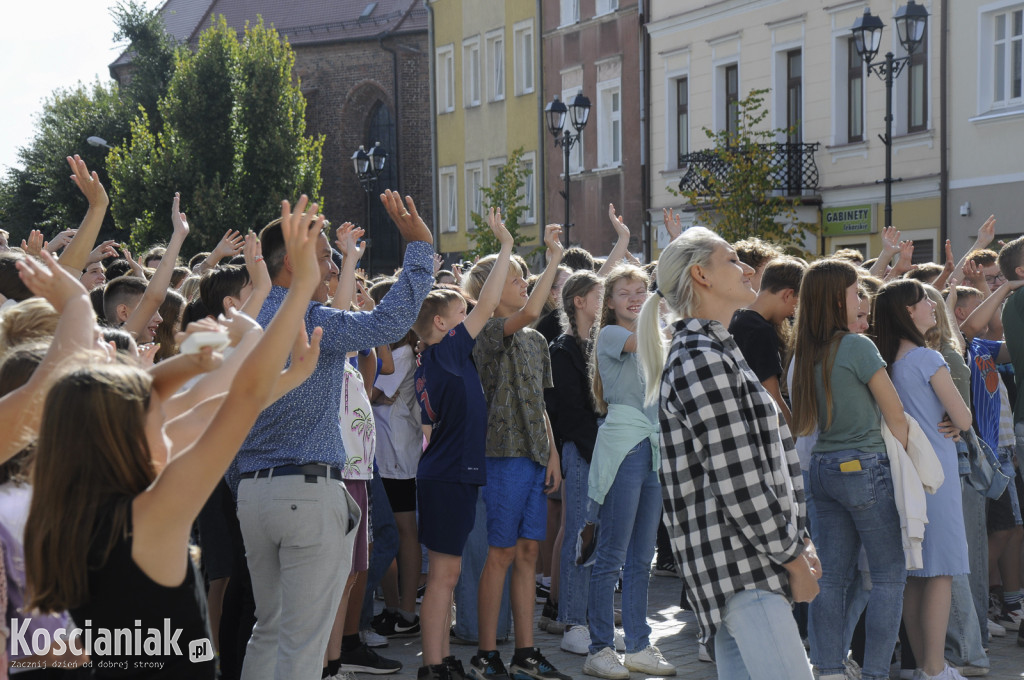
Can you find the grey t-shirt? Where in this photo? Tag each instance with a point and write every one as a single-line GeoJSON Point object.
{"type": "Point", "coordinates": [620, 373]}
{"type": "Point", "coordinates": [856, 420]}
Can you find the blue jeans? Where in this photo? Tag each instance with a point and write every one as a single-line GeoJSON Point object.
{"type": "Point", "coordinates": [854, 508]}
{"type": "Point", "coordinates": [574, 581]}
{"type": "Point", "coordinates": [385, 545]}
{"type": "Point", "coordinates": [627, 536]}
{"type": "Point", "coordinates": [758, 639]}
{"type": "Point", "coordinates": [466, 590]}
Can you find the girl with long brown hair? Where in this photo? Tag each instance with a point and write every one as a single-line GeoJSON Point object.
{"type": "Point", "coordinates": [903, 315]}
{"type": "Point", "coordinates": [107, 537]}
{"type": "Point", "coordinates": [850, 480]}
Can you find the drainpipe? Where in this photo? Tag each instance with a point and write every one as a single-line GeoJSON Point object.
{"type": "Point", "coordinates": [433, 127]}
{"type": "Point", "coordinates": [645, 134]}
{"type": "Point", "coordinates": [943, 123]}
{"type": "Point", "coordinates": [542, 179]}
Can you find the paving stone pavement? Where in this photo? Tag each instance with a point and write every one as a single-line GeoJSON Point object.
{"type": "Point", "coordinates": [674, 631]}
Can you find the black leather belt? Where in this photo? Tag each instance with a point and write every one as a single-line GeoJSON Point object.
{"type": "Point", "coordinates": [312, 471]}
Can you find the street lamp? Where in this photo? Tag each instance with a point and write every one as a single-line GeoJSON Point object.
{"type": "Point", "coordinates": [554, 113]}
{"type": "Point", "coordinates": [368, 166]}
{"type": "Point", "coordinates": [98, 141]}
{"type": "Point", "coordinates": [911, 23]}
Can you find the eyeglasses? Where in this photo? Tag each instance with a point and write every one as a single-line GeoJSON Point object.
{"type": "Point", "coordinates": [995, 280]}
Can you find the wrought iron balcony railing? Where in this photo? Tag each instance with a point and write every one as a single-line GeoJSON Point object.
{"type": "Point", "coordinates": [793, 170]}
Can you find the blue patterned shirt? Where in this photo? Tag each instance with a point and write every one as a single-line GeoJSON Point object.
{"type": "Point", "coordinates": [302, 426]}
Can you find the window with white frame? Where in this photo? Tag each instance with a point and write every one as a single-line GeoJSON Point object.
{"type": "Point", "coordinates": [529, 189]}
{"type": "Point", "coordinates": [445, 79]}
{"type": "Point", "coordinates": [682, 117]}
{"type": "Point", "coordinates": [917, 88]}
{"type": "Point", "coordinates": [493, 168]}
{"type": "Point", "coordinates": [569, 12]}
{"type": "Point", "coordinates": [449, 190]}
{"type": "Point", "coordinates": [609, 123]}
{"type": "Point", "coordinates": [474, 192]}
{"type": "Point", "coordinates": [854, 93]}
{"type": "Point", "coordinates": [576, 152]}
{"type": "Point", "coordinates": [1008, 57]}
{"type": "Point", "coordinates": [523, 43]}
{"type": "Point", "coordinates": [730, 88]}
{"type": "Point", "coordinates": [496, 66]}
{"type": "Point", "coordinates": [471, 72]}
{"type": "Point", "coordinates": [605, 7]}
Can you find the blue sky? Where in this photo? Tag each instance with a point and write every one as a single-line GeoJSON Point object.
{"type": "Point", "coordinates": [46, 45]}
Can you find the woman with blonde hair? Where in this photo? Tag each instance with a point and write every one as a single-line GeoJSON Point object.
{"type": "Point", "coordinates": [733, 492]}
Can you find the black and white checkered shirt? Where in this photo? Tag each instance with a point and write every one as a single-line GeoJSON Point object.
{"type": "Point", "coordinates": [733, 490]}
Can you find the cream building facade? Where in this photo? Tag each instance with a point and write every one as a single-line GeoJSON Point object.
{"type": "Point", "coordinates": [704, 57]}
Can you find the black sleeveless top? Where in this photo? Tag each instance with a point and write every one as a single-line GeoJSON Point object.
{"type": "Point", "coordinates": [134, 622]}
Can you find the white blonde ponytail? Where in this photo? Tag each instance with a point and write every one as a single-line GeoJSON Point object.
{"type": "Point", "coordinates": [691, 248]}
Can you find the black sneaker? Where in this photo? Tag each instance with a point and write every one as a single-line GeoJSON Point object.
{"type": "Point", "coordinates": [548, 614]}
{"type": "Point", "coordinates": [543, 593]}
{"type": "Point", "coordinates": [365, 660]}
{"type": "Point", "coordinates": [394, 625]}
{"type": "Point", "coordinates": [438, 672]}
{"type": "Point", "coordinates": [454, 666]}
{"type": "Point", "coordinates": [487, 667]}
{"type": "Point", "coordinates": [533, 666]}
{"type": "Point", "coordinates": [665, 568]}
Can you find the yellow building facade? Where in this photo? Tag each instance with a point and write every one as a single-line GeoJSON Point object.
{"type": "Point", "coordinates": [487, 92]}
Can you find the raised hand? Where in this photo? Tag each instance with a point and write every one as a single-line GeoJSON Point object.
{"type": "Point", "coordinates": [457, 273]}
{"type": "Point", "coordinates": [230, 244]}
{"type": "Point", "coordinates": [103, 251]}
{"type": "Point", "coordinates": [35, 243]}
{"type": "Point", "coordinates": [438, 263]}
{"type": "Point", "coordinates": [61, 240]}
{"type": "Point", "coordinates": [252, 251]}
{"type": "Point", "coordinates": [497, 226]}
{"type": "Point", "coordinates": [406, 217]}
{"type": "Point", "coordinates": [986, 233]}
{"type": "Point", "coordinates": [301, 228]}
{"type": "Point", "coordinates": [147, 354]}
{"type": "Point", "coordinates": [363, 299]}
{"type": "Point", "coordinates": [237, 324]}
{"type": "Point", "coordinates": [552, 232]}
{"type": "Point", "coordinates": [621, 230]}
{"type": "Point", "coordinates": [178, 218]}
{"type": "Point", "coordinates": [673, 222]}
{"type": "Point", "coordinates": [347, 240]}
{"type": "Point", "coordinates": [305, 355]}
{"type": "Point", "coordinates": [974, 275]}
{"type": "Point", "coordinates": [891, 241]}
{"type": "Point", "coordinates": [87, 182]}
{"type": "Point", "coordinates": [904, 264]}
{"type": "Point", "coordinates": [49, 281]}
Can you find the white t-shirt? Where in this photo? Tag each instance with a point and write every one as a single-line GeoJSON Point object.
{"type": "Point", "coordinates": [399, 436]}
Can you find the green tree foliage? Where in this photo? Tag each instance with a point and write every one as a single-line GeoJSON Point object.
{"type": "Point", "coordinates": [233, 141]}
{"type": "Point", "coordinates": [736, 193]}
{"type": "Point", "coordinates": [505, 192]}
{"type": "Point", "coordinates": [40, 194]}
{"type": "Point", "coordinates": [152, 52]}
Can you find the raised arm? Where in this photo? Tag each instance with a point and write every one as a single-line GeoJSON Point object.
{"type": "Point", "coordinates": [22, 409]}
{"type": "Point", "coordinates": [987, 313]}
{"type": "Point", "coordinates": [890, 246]}
{"type": "Point", "coordinates": [76, 255]}
{"type": "Point", "coordinates": [621, 242]}
{"type": "Point", "coordinates": [351, 249]}
{"type": "Point", "coordinates": [156, 291]}
{"type": "Point", "coordinates": [252, 251]}
{"type": "Point", "coordinates": [230, 244]}
{"type": "Point", "coordinates": [164, 513]}
{"type": "Point", "coordinates": [535, 304]}
{"type": "Point", "coordinates": [490, 293]}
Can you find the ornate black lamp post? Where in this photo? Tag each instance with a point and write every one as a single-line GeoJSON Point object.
{"type": "Point", "coordinates": [579, 112]}
{"type": "Point", "coordinates": [368, 167]}
{"type": "Point", "coordinates": [911, 23]}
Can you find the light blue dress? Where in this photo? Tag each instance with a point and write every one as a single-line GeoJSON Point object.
{"type": "Point", "coordinates": [945, 540]}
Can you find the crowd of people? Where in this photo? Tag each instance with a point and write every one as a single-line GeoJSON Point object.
{"type": "Point", "coordinates": [211, 468]}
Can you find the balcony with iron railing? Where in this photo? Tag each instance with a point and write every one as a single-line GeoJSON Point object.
{"type": "Point", "coordinates": [793, 170]}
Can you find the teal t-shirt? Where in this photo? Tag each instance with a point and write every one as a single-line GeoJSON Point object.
{"type": "Point", "coordinates": [620, 373]}
{"type": "Point", "coordinates": [856, 420]}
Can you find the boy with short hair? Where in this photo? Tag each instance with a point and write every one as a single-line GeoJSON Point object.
{"type": "Point", "coordinates": [759, 328]}
{"type": "Point", "coordinates": [757, 254]}
{"type": "Point", "coordinates": [451, 470]}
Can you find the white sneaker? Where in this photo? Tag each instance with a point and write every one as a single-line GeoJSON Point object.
{"type": "Point", "coordinates": [576, 640]}
{"type": "Point", "coordinates": [702, 653]}
{"type": "Point", "coordinates": [995, 630]}
{"type": "Point", "coordinates": [370, 638]}
{"type": "Point", "coordinates": [619, 641]}
{"type": "Point", "coordinates": [972, 671]}
{"type": "Point", "coordinates": [605, 664]}
{"type": "Point", "coordinates": [1010, 620]}
{"type": "Point", "coordinates": [649, 661]}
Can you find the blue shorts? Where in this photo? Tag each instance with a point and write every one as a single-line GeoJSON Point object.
{"type": "Point", "coordinates": [516, 504]}
{"type": "Point", "coordinates": [447, 512]}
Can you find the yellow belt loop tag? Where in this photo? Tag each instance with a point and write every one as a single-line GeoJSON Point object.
{"type": "Point", "coordinates": [850, 466]}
